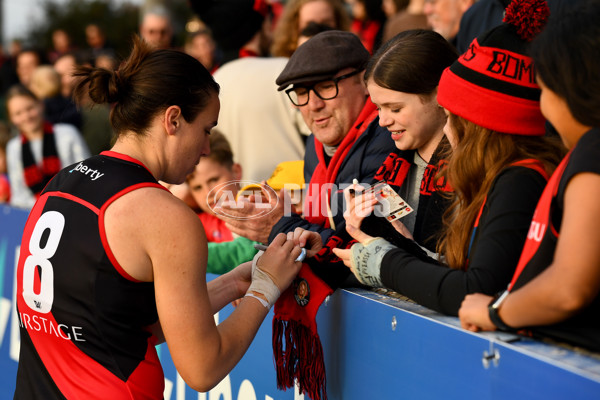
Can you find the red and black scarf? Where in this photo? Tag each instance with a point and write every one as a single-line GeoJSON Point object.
{"type": "Point", "coordinates": [36, 176]}
{"type": "Point", "coordinates": [297, 347]}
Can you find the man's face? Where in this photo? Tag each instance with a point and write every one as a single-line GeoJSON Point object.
{"type": "Point", "coordinates": [331, 120]}
{"type": "Point", "coordinates": [27, 61]}
{"type": "Point", "coordinates": [157, 31]}
{"type": "Point", "coordinates": [444, 15]}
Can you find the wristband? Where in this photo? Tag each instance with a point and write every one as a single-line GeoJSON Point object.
{"type": "Point", "coordinates": [493, 309]}
{"type": "Point", "coordinates": [366, 261]}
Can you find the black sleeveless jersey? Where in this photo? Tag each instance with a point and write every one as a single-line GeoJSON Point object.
{"type": "Point", "coordinates": [82, 318]}
{"type": "Point", "coordinates": [583, 329]}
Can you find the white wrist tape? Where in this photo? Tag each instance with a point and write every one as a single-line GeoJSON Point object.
{"type": "Point", "coordinates": [262, 301]}
{"type": "Point", "coordinates": [263, 284]}
{"type": "Point", "coordinates": [366, 261]}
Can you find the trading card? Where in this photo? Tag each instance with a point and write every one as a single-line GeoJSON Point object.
{"type": "Point", "coordinates": [391, 205]}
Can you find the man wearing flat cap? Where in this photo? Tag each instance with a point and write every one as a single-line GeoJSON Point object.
{"type": "Point", "coordinates": [324, 80]}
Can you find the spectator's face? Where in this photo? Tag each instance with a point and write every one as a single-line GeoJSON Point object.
{"type": "Point", "coordinates": [415, 122]}
{"type": "Point", "coordinates": [61, 41]}
{"type": "Point", "coordinates": [202, 48]}
{"type": "Point", "coordinates": [389, 7]}
{"type": "Point", "coordinates": [331, 120]}
{"type": "Point", "coordinates": [318, 11]}
{"type": "Point", "coordinates": [94, 37]}
{"type": "Point", "coordinates": [25, 113]}
{"type": "Point", "coordinates": [65, 67]}
{"type": "Point", "coordinates": [557, 112]}
{"type": "Point", "coordinates": [212, 182]}
{"type": "Point", "coordinates": [444, 15]}
{"type": "Point", "coordinates": [26, 64]}
{"type": "Point", "coordinates": [157, 31]}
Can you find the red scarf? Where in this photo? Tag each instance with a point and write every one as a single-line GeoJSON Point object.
{"type": "Point", "coordinates": [36, 177]}
{"type": "Point", "coordinates": [367, 32]}
{"type": "Point", "coordinates": [325, 174]}
{"type": "Point", "coordinates": [297, 347]}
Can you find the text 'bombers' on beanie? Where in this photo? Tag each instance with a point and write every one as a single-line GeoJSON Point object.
{"type": "Point", "coordinates": [493, 83]}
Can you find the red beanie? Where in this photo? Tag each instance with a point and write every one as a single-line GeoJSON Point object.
{"type": "Point", "coordinates": [493, 83]}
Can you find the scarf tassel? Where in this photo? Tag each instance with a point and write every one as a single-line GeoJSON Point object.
{"type": "Point", "coordinates": [298, 356]}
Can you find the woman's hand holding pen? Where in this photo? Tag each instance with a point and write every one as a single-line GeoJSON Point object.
{"type": "Point", "coordinates": [358, 206]}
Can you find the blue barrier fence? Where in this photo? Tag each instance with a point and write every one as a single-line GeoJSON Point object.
{"type": "Point", "coordinates": [375, 346]}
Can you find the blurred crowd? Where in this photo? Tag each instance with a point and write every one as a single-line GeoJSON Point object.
{"type": "Point", "coordinates": [267, 32]}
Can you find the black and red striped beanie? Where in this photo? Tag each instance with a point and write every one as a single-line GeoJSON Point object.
{"type": "Point", "coordinates": [493, 83]}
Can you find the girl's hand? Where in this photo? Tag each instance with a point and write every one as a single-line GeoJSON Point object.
{"type": "Point", "coordinates": [473, 313]}
{"type": "Point", "coordinates": [357, 208]}
{"type": "Point", "coordinates": [345, 255]}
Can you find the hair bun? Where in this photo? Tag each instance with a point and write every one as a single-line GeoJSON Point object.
{"type": "Point", "coordinates": [528, 16]}
{"type": "Point", "coordinates": [115, 86]}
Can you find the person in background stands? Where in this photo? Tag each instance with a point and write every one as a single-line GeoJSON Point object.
{"type": "Point", "coordinates": [444, 16]}
{"type": "Point", "coordinates": [97, 44]}
{"type": "Point", "coordinates": [411, 17]}
{"type": "Point", "coordinates": [61, 44]}
{"type": "Point", "coordinates": [217, 170]}
{"type": "Point", "coordinates": [8, 70]}
{"type": "Point", "coordinates": [215, 178]}
{"type": "Point", "coordinates": [40, 149]}
{"type": "Point", "coordinates": [156, 27]}
{"type": "Point", "coordinates": [297, 14]}
{"type": "Point", "coordinates": [27, 61]}
{"type": "Point", "coordinates": [202, 47]}
{"type": "Point", "coordinates": [95, 125]}
{"type": "Point", "coordinates": [46, 85]}
{"type": "Point", "coordinates": [253, 113]}
{"type": "Point", "coordinates": [393, 7]}
{"type": "Point", "coordinates": [368, 20]}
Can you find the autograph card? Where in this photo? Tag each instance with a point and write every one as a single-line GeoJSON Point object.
{"type": "Point", "coordinates": [392, 206]}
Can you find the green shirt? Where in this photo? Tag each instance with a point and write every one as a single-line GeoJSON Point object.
{"type": "Point", "coordinates": [225, 256]}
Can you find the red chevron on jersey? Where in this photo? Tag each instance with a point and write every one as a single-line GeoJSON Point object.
{"type": "Point", "coordinates": [541, 220]}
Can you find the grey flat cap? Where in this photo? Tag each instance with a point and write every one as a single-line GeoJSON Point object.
{"type": "Point", "coordinates": [323, 56]}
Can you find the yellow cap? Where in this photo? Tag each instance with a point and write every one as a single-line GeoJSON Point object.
{"type": "Point", "coordinates": [286, 173]}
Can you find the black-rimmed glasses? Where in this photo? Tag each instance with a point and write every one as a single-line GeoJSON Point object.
{"type": "Point", "coordinates": [325, 90]}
